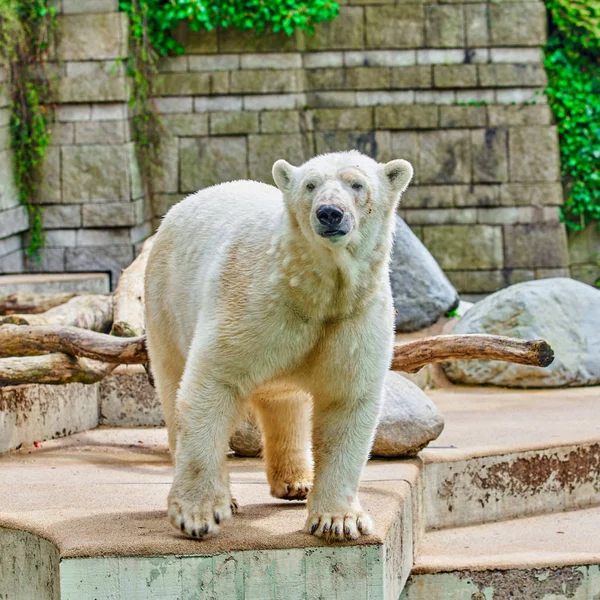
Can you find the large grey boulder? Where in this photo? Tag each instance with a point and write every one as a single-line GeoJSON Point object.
{"type": "Point", "coordinates": [409, 421]}
{"type": "Point", "coordinates": [564, 312]}
{"type": "Point", "coordinates": [421, 291]}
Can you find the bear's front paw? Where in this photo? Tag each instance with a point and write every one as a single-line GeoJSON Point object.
{"type": "Point", "coordinates": [339, 527]}
{"type": "Point", "coordinates": [199, 516]}
{"type": "Point", "coordinates": [291, 490]}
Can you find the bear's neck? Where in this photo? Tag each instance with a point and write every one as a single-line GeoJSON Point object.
{"type": "Point", "coordinates": [328, 283]}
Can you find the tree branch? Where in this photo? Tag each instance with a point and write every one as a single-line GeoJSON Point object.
{"type": "Point", "coordinates": [26, 303]}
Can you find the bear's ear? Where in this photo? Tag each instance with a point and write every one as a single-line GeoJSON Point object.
{"type": "Point", "coordinates": [398, 173]}
{"type": "Point", "coordinates": [283, 174]}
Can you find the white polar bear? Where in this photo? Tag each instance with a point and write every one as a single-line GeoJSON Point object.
{"type": "Point", "coordinates": [280, 298]}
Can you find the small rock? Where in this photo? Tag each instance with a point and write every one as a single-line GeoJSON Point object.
{"type": "Point", "coordinates": [421, 291]}
{"type": "Point", "coordinates": [409, 419]}
{"type": "Point", "coordinates": [562, 311]}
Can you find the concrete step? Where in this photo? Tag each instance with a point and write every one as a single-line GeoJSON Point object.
{"type": "Point", "coordinates": [547, 557]}
{"type": "Point", "coordinates": [50, 283]}
{"type": "Point", "coordinates": [85, 518]}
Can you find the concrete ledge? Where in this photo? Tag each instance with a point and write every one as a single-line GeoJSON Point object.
{"type": "Point", "coordinates": [42, 283]}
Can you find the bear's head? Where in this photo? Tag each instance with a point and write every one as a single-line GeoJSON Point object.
{"type": "Point", "coordinates": [343, 196]}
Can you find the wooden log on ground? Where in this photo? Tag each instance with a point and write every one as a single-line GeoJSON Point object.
{"type": "Point", "coordinates": [21, 340]}
{"type": "Point", "coordinates": [52, 369]}
{"type": "Point", "coordinates": [31, 304]}
{"type": "Point", "coordinates": [412, 356]}
{"type": "Point", "coordinates": [128, 299]}
{"type": "Point", "coordinates": [89, 311]}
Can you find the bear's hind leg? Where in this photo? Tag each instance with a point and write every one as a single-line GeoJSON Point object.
{"type": "Point", "coordinates": [284, 413]}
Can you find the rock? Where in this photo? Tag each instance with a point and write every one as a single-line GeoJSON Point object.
{"type": "Point", "coordinates": [421, 291]}
{"type": "Point", "coordinates": [564, 312]}
{"type": "Point", "coordinates": [409, 419]}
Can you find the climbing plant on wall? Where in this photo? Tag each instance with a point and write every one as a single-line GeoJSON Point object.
{"type": "Point", "coordinates": [573, 66]}
{"type": "Point", "coordinates": [152, 23]}
{"type": "Point", "coordinates": [25, 27]}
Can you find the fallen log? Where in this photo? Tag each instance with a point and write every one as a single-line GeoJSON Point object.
{"type": "Point", "coordinates": [412, 356]}
{"type": "Point", "coordinates": [89, 311]}
{"type": "Point", "coordinates": [52, 369]}
{"type": "Point", "coordinates": [128, 299]}
{"type": "Point", "coordinates": [30, 304]}
{"type": "Point", "coordinates": [22, 340]}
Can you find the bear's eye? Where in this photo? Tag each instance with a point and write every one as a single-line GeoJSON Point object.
{"type": "Point", "coordinates": [357, 186]}
{"type": "Point", "coordinates": [310, 187]}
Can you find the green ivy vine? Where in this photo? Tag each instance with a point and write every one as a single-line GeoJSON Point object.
{"type": "Point", "coordinates": [152, 23]}
{"type": "Point", "coordinates": [25, 29]}
{"type": "Point", "coordinates": [572, 61]}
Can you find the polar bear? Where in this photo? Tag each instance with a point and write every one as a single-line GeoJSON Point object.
{"type": "Point", "coordinates": [278, 298]}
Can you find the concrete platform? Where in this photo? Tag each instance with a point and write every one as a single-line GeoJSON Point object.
{"type": "Point", "coordinates": [550, 556]}
{"type": "Point", "coordinates": [49, 283]}
{"type": "Point", "coordinates": [100, 499]}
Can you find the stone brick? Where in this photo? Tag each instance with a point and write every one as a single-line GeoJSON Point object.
{"type": "Point", "coordinates": [103, 237]}
{"type": "Point", "coordinates": [276, 60]}
{"type": "Point", "coordinates": [380, 58]}
{"type": "Point", "coordinates": [469, 96]}
{"type": "Point", "coordinates": [519, 275]}
{"type": "Point", "coordinates": [330, 99]}
{"type": "Point", "coordinates": [445, 156]}
{"type": "Point", "coordinates": [395, 26]}
{"type": "Point", "coordinates": [274, 102]}
{"type": "Point", "coordinates": [462, 116]}
{"type": "Point", "coordinates": [326, 79]}
{"type": "Point", "coordinates": [94, 174]}
{"type": "Point", "coordinates": [435, 97]}
{"type": "Point", "coordinates": [280, 121]}
{"type": "Point", "coordinates": [219, 62]}
{"type": "Point", "coordinates": [221, 103]}
{"type": "Point", "coordinates": [141, 232]}
{"type": "Point", "coordinates": [165, 178]}
{"type": "Point", "coordinates": [477, 282]}
{"type": "Point", "coordinates": [523, 194]}
{"type": "Point", "coordinates": [476, 25]}
{"type": "Point", "coordinates": [49, 192]}
{"type": "Point", "coordinates": [368, 78]}
{"type": "Point", "coordinates": [196, 42]}
{"type": "Point", "coordinates": [383, 98]}
{"type": "Point", "coordinates": [59, 216]}
{"type": "Point", "coordinates": [509, 215]}
{"type": "Point", "coordinates": [74, 112]}
{"type": "Point", "coordinates": [60, 238]}
{"type": "Point", "coordinates": [344, 32]}
{"type": "Point", "coordinates": [589, 274]}
{"type": "Point", "coordinates": [12, 263]}
{"type": "Point", "coordinates": [265, 82]}
{"type": "Point", "coordinates": [444, 26]}
{"type": "Point", "coordinates": [186, 124]}
{"type": "Point", "coordinates": [50, 260]}
{"type": "Point", "coordinates": [224, 123]}
{"type": "Point", "coordinates": [516, 55]}
{"type": "Point", "coordinates": [551, 273]}
{"type": "Point", "coordinates": [207, 161]}
{"type": "Point", "coordinates": [447, 216]}
{"type": "Point", "coordinates": [9, 195]}
{"type": "Point", "coordinates": [476, 195]}
{"type": "Point", "coordinates": [538, 114]}
{"type": "Point", "coordinates": [465, 246]}
{"type": "Point", "coordinates": [533, 153]}
{"type": "Point", "coordinates": [455, 76]}
{"type": "Point", "coordinates": [89, 6]}
{"type": "Point", "coordinates": [100, 132]}
{"type": "Point", "coordinates": [535, 245]}
{"type": "Point", "coordinates": [173, 64]}
{"type": "Point", "coordinates": [88, 88]}
{"type": "Point", "coordinates": [342, 118]}
{"type": "Point", "coordinates": [406, 117]}
{"type": "Point", "coordinates": [4, 138]}
{"type": "Point", "coordinates": [584, 245]}
{"type": "Point", "coordinates": [444, 57]}
{"type": "Point", "coordinates": [490, 155]}
{"type": "Point", "coordinates": [99, 258]}
{"type": "Point", "coordinates": [400, 144]}
{"type": "Point", "coordinates": [518, 24]}
{"type": "Point", "coordinates": [9, 245]}
{"type": "Point", "coordinates": [109, 112]}
{"type": "Point", "coordinates": [13, 220]}
{"type": "Point", "coordinates": [119, 214]}
{"type": "Point", "coordinates": [179, 104]}
{"type": "Point", "coordinates": [264, 150]}
{"type": "Point", "coordinates": [342, 141]}
{"type": "Point", "coordinates": [321, 60]}
{"type": "Point", "coordinates": [219, 82]}
{"type": "Point", "coordinates": [428, 196]}
{"type": "Point", "coordinates": [161, 203]}
{"type": "Point", "coordinates": [62, 134]}
{"type": "Point", "coordinates": [232, 39]}
{"type": "Point", "coordinates": [92, 36]}
{"type": "Point", "coordinates": [183, 84]}
{"type": "Point", "coordinates": [507, 75]}
{"type": "Point", "coordinates": [100, 68]}
{"type": "Point", "coordinates": [412, 77]}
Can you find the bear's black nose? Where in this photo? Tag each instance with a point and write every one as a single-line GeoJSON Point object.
{"type": "Point", "coordinates": [330, 215]}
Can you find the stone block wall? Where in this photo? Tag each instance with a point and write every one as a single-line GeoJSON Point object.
{"type": "Point", "coordinates": [454, 87]}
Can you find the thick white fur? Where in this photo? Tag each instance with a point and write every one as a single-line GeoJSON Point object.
{"type": "Point", "coordinates": [245, 302]}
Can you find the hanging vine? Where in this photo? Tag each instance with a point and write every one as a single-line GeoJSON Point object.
{"type": "Point", "coordinates": [25, 29]}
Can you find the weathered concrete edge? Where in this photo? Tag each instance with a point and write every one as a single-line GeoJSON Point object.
{"type": "Point", "coordinates": [492, 488]}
